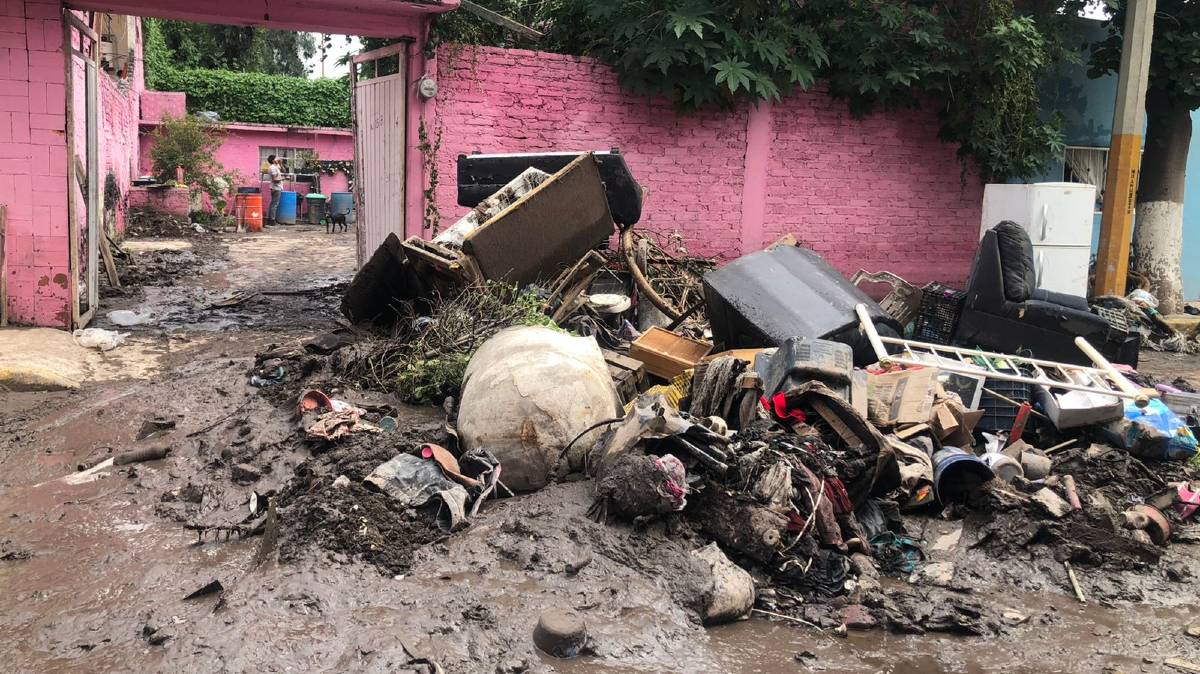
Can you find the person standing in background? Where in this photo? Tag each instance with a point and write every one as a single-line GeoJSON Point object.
{"type": "Point", "coordinates": [276, 174]}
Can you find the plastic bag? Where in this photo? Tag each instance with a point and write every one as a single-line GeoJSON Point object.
{"type": "Point", "coordinates": [98, 338]}
{"type": "Point", "coordinates": [1154, 432]}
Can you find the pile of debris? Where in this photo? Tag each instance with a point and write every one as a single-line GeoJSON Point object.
{"type": "Point", "coordinates": [769, 407]}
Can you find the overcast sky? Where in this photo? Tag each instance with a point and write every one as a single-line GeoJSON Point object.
{"type": "Point", "coordinates": [340, 47]}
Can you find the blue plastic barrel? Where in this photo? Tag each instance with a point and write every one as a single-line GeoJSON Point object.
{"type": "Point", "coordinates": [287, 208]}
{"type": "Point", "coordinates": [341, 203]}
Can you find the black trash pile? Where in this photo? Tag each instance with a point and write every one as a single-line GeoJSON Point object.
{"type": "Point", "coordinates": [809, 487]}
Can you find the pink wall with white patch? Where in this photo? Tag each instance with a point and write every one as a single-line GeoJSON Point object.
{"type": "Point", "coordinates": [878, 193]}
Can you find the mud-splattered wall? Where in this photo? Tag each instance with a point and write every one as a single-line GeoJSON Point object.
{"type": "Point", "coordinates": [878, 193]}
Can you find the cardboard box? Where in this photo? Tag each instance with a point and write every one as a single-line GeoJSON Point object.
{"type": "Point", "coordinates": [953, 423]}
{"type": "Point", "coordinates": [901, 397]}
{"type": "Point", "coordinates": [667, 354]}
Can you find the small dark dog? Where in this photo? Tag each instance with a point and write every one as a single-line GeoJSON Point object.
{"type": "Point", "coordinates": [334, 221]}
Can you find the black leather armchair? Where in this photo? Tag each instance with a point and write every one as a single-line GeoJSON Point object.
{"type": "Point", "coordinates": [1005, 311]}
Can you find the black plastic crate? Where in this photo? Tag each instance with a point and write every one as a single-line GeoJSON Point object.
{"type": "Point", "coordinates": [1117, 318]}
{"type": "Point", "coordinates": [938, 316]}
{"type": "Point", "coordinates": [998, 414]}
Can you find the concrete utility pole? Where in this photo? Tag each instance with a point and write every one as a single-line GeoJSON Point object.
{"type": "Point", "coordinates": [1125, 151]}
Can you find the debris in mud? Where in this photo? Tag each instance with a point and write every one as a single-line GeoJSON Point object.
{"type": "Point", "coordinates": [212, 587]}
{"type": "Point", "coordinates": [10, 552]}
{"type": "Point", "coordinates": [425, 359]}
{"type": "Point", "coordinates": [151, 222]}
{"type": "Point", "coordinates": [561, 634]}
{"type": "Point", "coordinates": [353, 522]}
{"type": "Point", "coordinates": [141, 455]}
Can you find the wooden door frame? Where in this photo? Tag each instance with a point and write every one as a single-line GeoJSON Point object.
{"type": "Point", "coordinates": [90, 52]}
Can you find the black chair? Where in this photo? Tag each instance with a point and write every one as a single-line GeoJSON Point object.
{"type": "Point", "coordinates": [1005, 311]}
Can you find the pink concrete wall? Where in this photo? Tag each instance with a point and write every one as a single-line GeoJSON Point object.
{"type": "Point", "coordinates": [240, 152]}
{"type": "Point", "coordinates": [879, 193]}
{"type": "Point", "coordinates": [174, 200]}
{"type": "Point", "coordinates": [156, 104]}
{"type": "Point", "coordinates": [33, 162]}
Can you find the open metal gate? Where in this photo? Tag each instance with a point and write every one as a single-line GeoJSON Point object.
{"type": "Point", "coordinates": [378, 103]}
{"type": "Point", "coordinates": [84, 205]}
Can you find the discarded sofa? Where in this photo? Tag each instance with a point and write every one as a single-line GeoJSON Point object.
{"type": "Point", "coordinates": [536, 226]}
{"type": "Point", "coordinates": [482, 175]}
{"type": "Point", "coordinates": [764, 298]}
{"type": "Point", "coordinates": [1005, 311]}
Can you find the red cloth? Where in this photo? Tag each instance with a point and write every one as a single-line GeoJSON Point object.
{"type": "Point", "coordinates": [835, 491]}
{"type": "Point", "coordinates": [778, 406]}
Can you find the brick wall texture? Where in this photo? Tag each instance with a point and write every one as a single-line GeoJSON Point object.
{"type": "Point", "coordinates": [33, 161]}
{"type": "Point", "coordinates": [877, 193]}
{"type": "Point", "coordinates": [119, 110]}
{"type": "Point", "coordinates": [33, 155]}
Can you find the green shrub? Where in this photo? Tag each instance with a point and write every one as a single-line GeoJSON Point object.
{"type": "Point", "coordinates": [191, 143]}
{"type": "Point", "coordinates": [261, 99]}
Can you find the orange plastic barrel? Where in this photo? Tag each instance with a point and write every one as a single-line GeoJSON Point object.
{"type": "Point", "coordinates": [249, 212]}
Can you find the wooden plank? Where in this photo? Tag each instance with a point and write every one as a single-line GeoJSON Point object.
{"type": "Point", "coordinates": [72, 216]}
{"type": "Point", "coordinates": [501, 20]}
{"type": "Point", "coordinates": [110, 267]}
{"type": "Point", "coordinates": [3, 269]}
{"type": "Point", "coordinates": [383, 52]}
{"type": "Point", "coordinates": [81, 175]}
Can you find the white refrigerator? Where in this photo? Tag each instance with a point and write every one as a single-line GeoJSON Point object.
{"type": "Point", "coordinates": [1058, 217]}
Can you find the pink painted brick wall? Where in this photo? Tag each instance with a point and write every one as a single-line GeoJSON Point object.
{"type": "Point", "coordinates": [33, 162]}
{"type": "Point", "coordinates": [173, 200]}
{"type": "Point", "coordinates": [119, 106]}
{"type": "Point", "coordinates": [495, 100]}
{"type": "Point", "coordinates": [879, 193]}
{"type": "Point", "coordinates": [156, 104]}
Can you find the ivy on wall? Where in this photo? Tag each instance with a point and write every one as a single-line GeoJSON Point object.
{"type": "Point", "coordinates": [332, 166]}
{"type": "Point", "coordinates": [260, 99]}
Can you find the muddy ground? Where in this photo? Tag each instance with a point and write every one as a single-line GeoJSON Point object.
{"type": "Point", "coordinates": [94, 573]}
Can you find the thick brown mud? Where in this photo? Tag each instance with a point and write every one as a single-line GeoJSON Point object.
{"type": "Point", "coordinates": [94, 571]}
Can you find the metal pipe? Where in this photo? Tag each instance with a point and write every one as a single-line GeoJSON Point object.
{"type": "Point", "coordinates": [868, 326]}
{"type": "Point", "coordinates": [1140, 398]}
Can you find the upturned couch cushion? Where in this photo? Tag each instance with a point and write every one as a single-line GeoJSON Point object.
{"type": "Point", "coordinates": [1016, 261]}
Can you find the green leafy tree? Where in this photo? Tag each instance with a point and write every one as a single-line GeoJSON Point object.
{"type": "Point", "coordinates": [699, 52]}
{"type": "Point", "coordinates": [243, 49]}
{"type": "Point", "coordinates": [977, 60]}
{"type": "Point", "coordinates": [1173, 92]}
{"type": "Point", "coordinates": [263, 99]}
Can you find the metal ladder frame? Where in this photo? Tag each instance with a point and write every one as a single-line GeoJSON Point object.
{"type": "Point", "coordinates": [1102, 379]}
